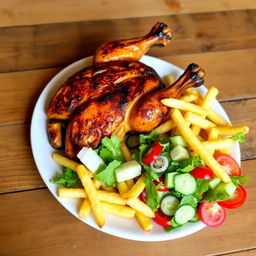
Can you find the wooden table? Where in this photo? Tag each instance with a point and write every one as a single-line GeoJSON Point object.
{"type": "Point", "coordinates": [39, 38]}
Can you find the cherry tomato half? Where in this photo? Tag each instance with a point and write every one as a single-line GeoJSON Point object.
{"type": "Point", "coordinates": [236, 200]}
{"type": "Point", "coordinates": [162, 188]}
{"type": "Point", "coordinates": [211, 214]}
{"type": "Point", "coordinates": [143, 196]}
{"type": "Point", "coordinates": [152, 152]}
{"type": "Point", "coordinates": [202, 173]}
{"type": "Point", "coordinates": [162, 219]}
{"type": "Point", "coordinates": [229, 164]}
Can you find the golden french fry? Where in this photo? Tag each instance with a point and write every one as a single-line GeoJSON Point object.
{"type": "Point", "coordinates": [85, 209]}
{"type": "Point", "coordinates": [122, 187]}
{"type": "Point", "coordinates": [96, 183]}
{"type": "Point", "coordinates": [165, 127]}
{"type": "Point", "coordinates": [106, 188]}
{"type": "Point", "coordinates": [169, 80]}
{"type": "Point", "coordinates": [196, 129]}
{"type": "Point", "coordinates": [64, 161]}
{"type": "Point", "coordinates": [198, 121]}
{"type": "Point", "coordinates": [232, 130]}
{"type": "Point", "coordinates": [216, 118]}
{"type": "Point", "coordinates": [213, 134]}
{"type": "Point", "coordinates": [120, 210]}
{"type": "Point", "coordinates": [182, 105]}
{"type": "Point", "coordinates": [197, 146]}
{"type": "Point", "coordinates": [141, 207]}
{"type": "Point", "coordinates": [218, 143]}
{"type": "Point", "coordinates": [136, 190]}
{"type": "Point", "coordinates": [93, 197]}
{"type": "Point", "coordinates": [130, 183]}
{"type": "Point", "coordinates": [209, 97]}
{"type": "Point", "coordinates": [190, 97]}
{"type": "Point", "coordinates": [144, 221]}
{"type": "Point", "coordinates": [110, 197]}
{"type": "Point", "coordinates": [191, 91]}
{"type": "Point", "coordinates": [125, 151]}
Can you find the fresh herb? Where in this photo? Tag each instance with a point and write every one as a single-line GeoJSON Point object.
{"type": "Point", "coordinates": [107, 175]}
{"type": "Point", "coordinates": [189, 164]}
{"type": "Point", "coordinates": [152, 137]}
{"type": "Point", "coordinates": [215, 196]}
{"type": "Point", "coordinates": [239, 180]}
{"type": "Point", "coordinates": [202, 187]}
{"type": "Point", "coordinates": [153, 199]}
{"type": "Point", "coordinates": [239, 137]}
{"type": "Point", "coordinates": [68, 179]}
{"type": "Point", "coordinates": [110, 149]}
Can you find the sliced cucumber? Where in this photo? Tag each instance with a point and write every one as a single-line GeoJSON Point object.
{"type": "Point", "coordinates": [184, 214]}
{"type": "Point", "coordinates": [214, 183]}
{"type": "Point", "coordinates": [195, 218]}
{"type": "Point", "coordinates": [185, 183]}
{"type": "Point", "coordinates": [178, 140]}
{"type": "Point", "coordinates": [162, 194]}
{"type": "Point", "coordinates": [228, 188]}
{"type": "Point", "coordinates": [90, 159]}
{"type": "Point", "coordinates": [133, 141]}
{"type": "Point", "coordinates": [127, 171]}
{"type": "Point", "coordinates": [169, 179]}
{"type": "Point", "coordinates": [169, 205]}
{"type": "Point", "coordinates": [179, 153]}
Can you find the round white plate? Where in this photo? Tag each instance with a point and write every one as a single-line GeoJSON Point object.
{"type": "Point", "coordinates": [42, 152]}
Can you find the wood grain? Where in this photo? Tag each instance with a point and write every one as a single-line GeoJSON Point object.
{"type": "Point", "coordinates": [250, 252]}
{"type": "Point", "coordinates": [17, 12]}
{"type": "Point", "coordinates": [36, 216]}
{"type": "Point", "coordinates": [18, 171]}
{"type": "Point", "coordinates": [234, 81]}
{"type": "Point", "coordinates": [51, 45]}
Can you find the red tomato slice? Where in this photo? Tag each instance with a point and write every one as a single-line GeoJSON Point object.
{"type": "Point", "coordinates": [202, 173]}
{"type": "Point", "coordinates": [162, 188]}
{"type": "Point", "coordinates": [162, 219]}
{"type": "Point", "coordinates": [211, 214]}
{"type": "Point", "coordinates": [236, 200]}
{"type": "Point", "coordinates": [143, 196]}
{"type": "Point", "coordinates": [152, 152]}
{"type": "Point", "coordinates": [229, 164]}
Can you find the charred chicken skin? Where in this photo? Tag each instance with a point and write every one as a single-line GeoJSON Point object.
{"type": "Point", "coordinates": [116, 94]}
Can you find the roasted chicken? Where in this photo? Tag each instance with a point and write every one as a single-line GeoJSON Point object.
{"type": "Point", "coordinates": [116, 94]}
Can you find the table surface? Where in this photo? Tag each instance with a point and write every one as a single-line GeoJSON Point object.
{"type": "Point", "coordinates": [39, 38]}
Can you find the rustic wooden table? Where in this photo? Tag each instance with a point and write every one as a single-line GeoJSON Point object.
{"type": "Point", "coordinates": [39, 38]}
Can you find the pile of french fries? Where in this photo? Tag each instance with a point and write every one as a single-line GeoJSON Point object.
{"type": "Point", "coordinates": [190, 116]}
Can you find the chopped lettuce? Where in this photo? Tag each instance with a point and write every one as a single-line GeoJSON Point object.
{"type": "Point", "coordinates": [239, 137]}
{"type": "Point", "coordinates": [190, 164]}
{"type": "Point", "coordinates": [202, 187]}
{"type": "Point", "coordinates": [153, 198]}
{"type": "Point", "coordinates": [68, 179]}
{"type": "Point", "coordinates": [107, 175]}
{"type": "Point", "coordinates": [239, 180]}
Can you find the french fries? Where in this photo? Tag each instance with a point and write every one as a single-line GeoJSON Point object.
{"type": "Point", "coordinates": [85, 209]}
{"type": "Point", "coordinates": [93, 197]}
{"type": "Point", "coordinates": [232, 130]}
{"type": "Point", "coordinates": [199, 121]}
{"type": "Point", "coordinates": [141, 207]}
{"type": "Point", "coordinates": [120, 210]}
{"type": "Point", "coordinates": [197, 146]}
{"type": "Point", "coordinates": [144, 221]}
{"type": "Point", "coordinates": [136, 190]}
{"type": "Point", "coordinates": [218, 143]}
{"type": "Point", "coordinates": [182, 105]}
{"type": "Point", "coordinates": [165, 127]}
{"type": "Point", "coordinates": [64, 161]}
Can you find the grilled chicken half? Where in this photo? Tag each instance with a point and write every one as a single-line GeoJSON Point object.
{"type": "Point", "coordinates": [116, 94]}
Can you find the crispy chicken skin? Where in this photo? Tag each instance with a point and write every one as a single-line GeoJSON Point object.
{"type": "Point", "coordinates": [116, 94]}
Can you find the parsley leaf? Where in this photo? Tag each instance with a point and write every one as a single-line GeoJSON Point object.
{"type": "Point", "coordinates": [153, 199]}
{"type": "Point", "coordinates": [107, 175]}
{"type": "Point", "coordinates": [68, 179]}
{"type": "Point", "coordinates": [239, 137]}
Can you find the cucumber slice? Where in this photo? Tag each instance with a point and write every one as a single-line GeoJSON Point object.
{"type": "Point", "coordinates": [90, 159]}
{"type": "Point", "coordinates": [214, 183]}
{"type": "Point", "coordinates": [195, 218]}
{"type": "Point", "coordinates": [185, 183]}
{"type": "Point", "coordinates": [228, 188]}
{"type": "Point", "coordinates": [133, 141]}
{"type": "Point", "coordinates": [178, 140]}
{"type": "Point", "coordinates": [169, 205]}
{"type": "Point", "coordinates": [179, 153]}
{"type": "Point", "coordinates": [169, 179]}
{"type": "Point", "coordinates": [184, 214]}
{"type": "Point", "coordinates": [127, 171]}
{"type": "Point", "coordinates": [162, 194]}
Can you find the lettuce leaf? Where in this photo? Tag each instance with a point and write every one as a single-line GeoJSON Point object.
{"type": "Point", "coordinates": [239, 180]}
{"type": "Point", "coordinates": [107, 175]}
{"type": "Point", "coordinates": [68, 179]}
{"type": "Point", "coordinates": [239, 137]}
{"type": "Point", "coordinates": [202, 187]}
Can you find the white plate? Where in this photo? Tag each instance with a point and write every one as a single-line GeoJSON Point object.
{"type": "Point", "coordinates": [42, 152]}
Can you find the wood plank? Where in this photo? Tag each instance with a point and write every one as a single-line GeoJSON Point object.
{"type": "Point", "coordinates": [17, 12]}
{"type": "Point", "coordinates": [36, 216]}
{"type": "Point", "coordinates": [18, 171]}
{"type": "Point", "coordinates": [250, 252]}
{"type": "Point", "coordinates": [39, 46]}
{"type": "Point", "coordinates": [234, 81]}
